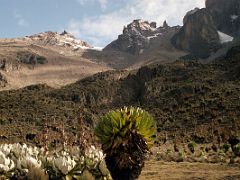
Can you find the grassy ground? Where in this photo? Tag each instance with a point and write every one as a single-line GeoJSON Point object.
{"type": "Point", "coordinates": [157, 170]}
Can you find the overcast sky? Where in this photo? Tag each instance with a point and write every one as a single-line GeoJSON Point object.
{"type": "Point", "coordinates": [96, 21]}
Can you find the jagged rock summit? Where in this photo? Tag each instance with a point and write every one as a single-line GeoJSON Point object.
{"type": "Point", "coordinates": [207, 30]}
{"type": "Point", "coordinates": [198, 35]}
{"type": "Point", "coordinates": [189, 13]}
{"type": "Point", "coordinates": [136, 36]}
{"type": "Point", "coordinates": [63, 39]}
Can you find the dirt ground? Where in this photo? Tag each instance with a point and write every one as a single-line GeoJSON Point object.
{"type": "Point", "coordinates": [156, 170]}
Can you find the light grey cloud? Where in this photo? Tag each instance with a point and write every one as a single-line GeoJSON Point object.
{"type": "Point", "coordinates": [21, 21]}
{"type": "Point", "coordinates": [102, 29]}
{"type": "Point", "coordinates": [102, 3]}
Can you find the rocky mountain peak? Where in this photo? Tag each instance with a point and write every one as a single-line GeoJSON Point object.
{"type": "Point", "coordinates": [189, 13]}
{"type": "Point", "coordinates": [138, 35]}
{"type": "Point", "coordinates": [165, 24]}
{"type": "Point", "coordinates": [63, 39]}
{"type": "Point", "coordinates": [140, 27]}
{"type": "Point", "coordinates": [66, 33]}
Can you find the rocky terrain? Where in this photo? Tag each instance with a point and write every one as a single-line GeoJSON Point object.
{"type": "Point", "coordinates": [137, 36]}
{"type": "Point", "coordinates": [146, 44]}
{"type": "Point", "coordinates": [55, 59]}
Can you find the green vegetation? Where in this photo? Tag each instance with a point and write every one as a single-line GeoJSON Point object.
{"type": "Point", "coordinates": [236, 149]}
{"type": "Point", "coordinates": [191, 146]}
{"type": "Point", "coordinates": [126, 136]}
{"type": "Point", "coordinates": [226, 147]}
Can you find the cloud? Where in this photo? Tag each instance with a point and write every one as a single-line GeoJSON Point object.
{"type": "Point", "coordinates": [97, 30]}
{"type": "Point", "coordinates": [74, 27]}
{"type": "Point", "coordinates": [103, 3]}
{"type": "Point", "coordinates": [102, 29]}
{"type": "Point", "coordinates": [20, 20]}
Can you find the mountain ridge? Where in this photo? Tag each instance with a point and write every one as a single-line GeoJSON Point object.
{"type": "Point", "coordinates": [48, 57]}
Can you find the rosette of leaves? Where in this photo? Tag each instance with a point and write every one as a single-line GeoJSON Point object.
{"type": "Point", "coordinates": [126, 136]}
{"type": "Point", "coordinates": [7, 166]}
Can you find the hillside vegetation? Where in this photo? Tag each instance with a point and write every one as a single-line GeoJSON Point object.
{"type": "Point", "coordinates": [189, 100]}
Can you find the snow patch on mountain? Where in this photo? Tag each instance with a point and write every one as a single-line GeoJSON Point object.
{"type": "Point", "coordinates": [234, 17]}
{"type": "Point", "coordinates": [154, 36]}
{"type": "Point", "coordinates": [224, 38]}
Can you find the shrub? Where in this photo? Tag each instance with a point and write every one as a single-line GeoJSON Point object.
{"type": "Point", "coordinates": [191, 146]}
{"type": "Point", "coordinates": [226, 147]}
{"type": "Point", "coordinates": [236, 149]}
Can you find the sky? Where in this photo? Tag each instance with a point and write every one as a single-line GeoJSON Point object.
{"type": "Point", "coordinates": [97, 22]}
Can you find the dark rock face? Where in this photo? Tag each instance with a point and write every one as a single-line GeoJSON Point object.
{"type": "Point", "coordinates": [233, 60]}
{"type": "Point", "coordinates": [226, 15]}
{"type": "Point", "coordinates": [136, 37]}
{"type": "Point", "coordinates": [30, 58]}
{"type": "Point", "coordinates": [205, 29]}
{"type": "Point", "coordinates": [2, 64]}
{"type": "Point", "coordinates": [233, 53]}
{"type": "Point", "coordinates": [3, 81]}
{"type": "Point", "coordinates": [199, 35]}
{"type": "Point", "coordinates": [189, 13]}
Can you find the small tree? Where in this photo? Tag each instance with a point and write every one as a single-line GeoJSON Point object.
{"type": "Point", "coordinates": [126, 136]}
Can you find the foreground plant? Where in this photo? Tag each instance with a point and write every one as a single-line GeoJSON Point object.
{"type": "Point", "coordinates": [126, 136]}
{"type": "Point", "coordinates": [21, 161]}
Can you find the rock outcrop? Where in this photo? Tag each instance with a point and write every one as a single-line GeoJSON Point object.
{"type": "Point", "coordinates": [3, 81]}
{"type": "Point", "coordinates": [226, 15]}
{"type": "Point", "coordinates": [189, 13]}
{"type": "Point", "coordinates": [198, 35]}
{"type": "Point", "coordinates": [204, 30]}
{"type": "Point", "coordinates": [137, 36]}
{"type": "Point", "coordinates": [27, 57]}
